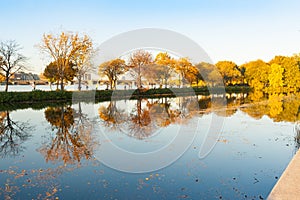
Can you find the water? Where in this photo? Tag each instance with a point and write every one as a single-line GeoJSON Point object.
{"type": "Point", "coordinates": [58, 152]}
{"type": "Point", "coordinates": [14, 88]}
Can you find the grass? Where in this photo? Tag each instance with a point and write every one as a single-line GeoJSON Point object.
{"type": "Point", "coordinates": [33, 98]}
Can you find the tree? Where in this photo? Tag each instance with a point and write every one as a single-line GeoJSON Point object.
{"type": "Point", "coordinates": [229, 71]}
{"type": "Point", "coordinates": [275, 78]}
{"type": "Point", "coordinates": [65, 48]}
{"type": "Point", "coordinates": [112, 70]}
{"type": "Point", "coordinates": [257, 74]}
{"type": "Point", "coordinates": [164, 67]}
{"type": "Point", "coordinates": [209, 73]}
{"type": "Point", "coordinates": [291, 74]}
{"type": "Point", "coordinates": [11, 61]}
{"type": "Point", "coordinates": [83, 63]}
{"type": "Point", "coordinates": [139, 61]}
{"type": "Point", "coordinates": [52, 73]}
{"type": "Point", "coordinates": [186, 70]}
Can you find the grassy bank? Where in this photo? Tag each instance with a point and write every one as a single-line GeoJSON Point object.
{"type": "Point", "coordinates": [104, 95]}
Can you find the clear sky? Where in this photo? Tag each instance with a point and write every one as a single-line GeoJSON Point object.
{"type": "Point", "coordinates": [237, 30]}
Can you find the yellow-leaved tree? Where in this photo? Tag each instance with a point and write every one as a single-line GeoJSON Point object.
{"type": "Point", "coordinates": [275, 78]}
{"type": "Point", "coordinates": [66, 48]}
{"type": "Point", "coordinates": [112, 70]}
{"type": "Point", "coordinates": [164, 67]}
{"type": "Point", "coordinates": [229, 71]}
{"type": "Point", "coordinates": [257, 74]}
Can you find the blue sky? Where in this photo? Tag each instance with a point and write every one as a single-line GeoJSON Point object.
{"type": "Point", "coordinates": [237, 30]}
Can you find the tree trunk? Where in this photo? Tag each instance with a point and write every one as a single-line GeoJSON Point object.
{"type": "Point", "coordinates": [6, 83]}
{"type": "Point", "coordinates": [61, 83]}
{"type": "Point", "coordinates": [166, 82]}
{"type": "Point", "coordinates": [139, 82]}
{"type": "Point", "coordinates": [79, 82]}
{"type": "Point", "coordinates": [111, 84]}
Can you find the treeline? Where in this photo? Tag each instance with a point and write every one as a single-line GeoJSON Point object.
{"type": "Point", "coordinates": [72, 55]}
{"type": "Point", "coordinates": [281, 74]}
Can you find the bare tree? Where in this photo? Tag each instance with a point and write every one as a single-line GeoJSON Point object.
{"type": "Point", "coordinates": [11, 60]}
{"type": "Point", "coordinates": [139, 61]}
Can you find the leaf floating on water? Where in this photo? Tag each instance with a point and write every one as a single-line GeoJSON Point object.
{"type": "Point", "coordinates": [54, 190]}
{"type": "Point", "coordinates": [184, 196]}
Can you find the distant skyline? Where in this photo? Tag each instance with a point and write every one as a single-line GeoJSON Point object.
{"type": "Point", "coordinates": [237, 30]}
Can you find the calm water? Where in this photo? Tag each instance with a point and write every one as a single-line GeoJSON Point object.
{"type": "Point", "coordinates": [13, 88]}
{"type": "Point", "coordinates": [61, 152]}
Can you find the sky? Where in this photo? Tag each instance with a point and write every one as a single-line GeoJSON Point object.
{"type": "Point", "coordinates": [236, 30]}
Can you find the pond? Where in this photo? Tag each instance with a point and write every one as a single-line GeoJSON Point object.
{"type": "Point", "coordinates": [149, 148]}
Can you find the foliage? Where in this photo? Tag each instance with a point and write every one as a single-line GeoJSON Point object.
{"type": "Point", "coordinates": [52, 73]}
{"type": "Point", "coordinates": [257, 74]}
{"type": "Point", "coordinates": [64, 49]}
{"type": "Point", "coordinates": [139, 62]}
{"type": "Point", "coordinates": [112, 70]}
{"type": "Point", "coordinates": [187, 70]}
{"type": "Point", "coordinates": [163, 68]}
{"type": "Point", "coordinates": [229, 71]}
{"type": "Point", "coordinates": [275, 78]}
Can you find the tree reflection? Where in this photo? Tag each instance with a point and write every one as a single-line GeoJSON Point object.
{"type": "Point", "coordinates": [146, 117]}
{"type": "Point", "coordinates": [72, 140]}
{"type": "Point", "coordinates": [111, 115]}
{"type": "Point", "coordinates": [140, 125]}
{"type": "Point", "coordinates": [297, 136]}
{"type": "Point", "coordinates": [149, 115]}
{"type": "Point", "coordinates": [12, 135]}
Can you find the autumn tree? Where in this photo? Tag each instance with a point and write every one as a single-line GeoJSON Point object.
{"type": "Point", "coordinates": [275, 78]}
{"type": "Point", "coordinates": [291, 73]}
{"type": "Point", "coordinates": [83, 63]}
{"type": "Point", "coordinates": [186, 70]}
{"type": "Point", "coordinates": [209, 73]}
{"type": "Point", "coordinates": [229, 71]}
{"type": "Point", "coordinates": [164, 67]}
{"type": "Point", "coordinates": [51, 72]}
{"type": "Point", "coordinates": [139, 62]}
{"type": "Point", "coordinates": [112, 70]}
{"type": "Point", "coordinates": [11, 61]}
{"type": "Point", "coordinates": [65, 48]}
{"type": "Point", "coordinates": [257, 74]}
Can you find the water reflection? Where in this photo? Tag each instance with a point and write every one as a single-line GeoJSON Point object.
{"type": "Point", "coordinates": [244, 154]}
{"type": "Point", "coordinates": [148, 115]}
{"type": "Point", "coordinates": [12, 135]}
{"type": "Point", "coordinates": [279, 107]}
{"type": "Point", "coordinates": [297, 135]}
{"type": "Point", "coordinates": [142, 118]}
{"type": "Point", "coordinates": [72, 140]}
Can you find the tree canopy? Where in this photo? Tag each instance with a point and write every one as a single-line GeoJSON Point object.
{"type": "Point", "coordinates": [65, 48]}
